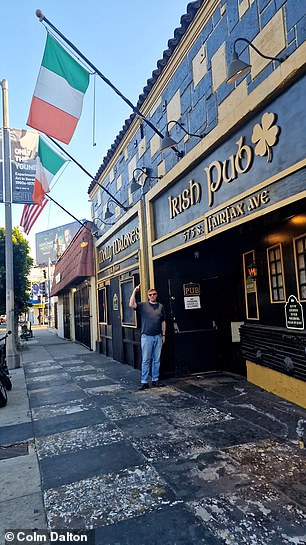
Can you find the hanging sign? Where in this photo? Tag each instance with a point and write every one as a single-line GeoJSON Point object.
{"type": "Point", "coordinates": [250, 285]}
{"type": "Point", "coordinates": [191, 303]}
{"type": "Point", "coordinates": [294, 313]}
{"type": "Point", "coordinates": [115, 302]}
{"type": "Point", "coordinates": [24, 147]}
{"type": "Point", "coordinates": [192, 292]}
{"type": "Point", "coordinates": [191, 289]}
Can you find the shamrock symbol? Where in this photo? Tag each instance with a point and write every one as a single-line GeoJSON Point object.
{"type": "Point", "coordinates": [265, 135]}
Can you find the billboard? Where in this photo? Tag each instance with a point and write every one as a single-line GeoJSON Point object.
{"type": "Point", "coordinates": [52, 243]}
{"type": "Point", "coordinates": [24, 147]}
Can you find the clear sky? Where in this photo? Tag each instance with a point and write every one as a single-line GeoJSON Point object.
{"type": "Point", "coordinates": [123, 38]}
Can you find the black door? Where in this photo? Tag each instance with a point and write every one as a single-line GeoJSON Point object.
{"type": "Point", "coordinates": [66, 312]}
{"type": "Point", "coordinates": [194, 317]}
{"type": "Point", "coordinates": [115, 306]}
{"type": "Point", "coordinates": [82, 316]}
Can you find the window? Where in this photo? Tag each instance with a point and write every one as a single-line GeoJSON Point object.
{"type": "Point", "coordinates": [128, 314]}
{"type": "Point", "coordinates": [250, 288]}
{"type": "Point", "coordinates": [119, 182]}
{"type": "Point", "coordinates": [276, 274]}
{"type": "Point", "coordinates": [102, 305]}
{"type": "Point", "coordinates": [300, 260]}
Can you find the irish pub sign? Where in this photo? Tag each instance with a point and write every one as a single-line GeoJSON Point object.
{"type": "Point", "coordinates": [253, 169]}
{"type": "Point", "coordinates": [218, 173]}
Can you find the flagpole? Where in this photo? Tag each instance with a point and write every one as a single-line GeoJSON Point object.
{"type": "Point", "coordinates": [125, 208]}
{"type": "Point", "coordinates": [12, 357]}
{"type": "Point", "coordinates": [136, 110]}
{"type": "Point", "coordinates": [69, 213]}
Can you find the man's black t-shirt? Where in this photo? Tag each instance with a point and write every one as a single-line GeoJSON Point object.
{"type": "Point", "coordinates": [152, 315]}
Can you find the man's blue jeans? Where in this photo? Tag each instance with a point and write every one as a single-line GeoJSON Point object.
{"type": "Point", "coordinates": [151, 346]}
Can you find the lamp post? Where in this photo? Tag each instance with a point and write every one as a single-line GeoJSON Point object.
{"type": "Point", "coordinates": [12, 357]}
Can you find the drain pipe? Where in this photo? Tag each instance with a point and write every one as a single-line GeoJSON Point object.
{"type": "Point", "coordinates": [300, 432]}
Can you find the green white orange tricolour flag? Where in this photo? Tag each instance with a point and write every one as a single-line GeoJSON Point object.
{"type": "Point", "coordinates": [48, 164]}
{"type": "Point", "coordinates": [58, 96]}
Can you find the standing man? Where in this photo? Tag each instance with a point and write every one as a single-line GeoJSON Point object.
{"type": "Point", "coordinates": [153, 330]}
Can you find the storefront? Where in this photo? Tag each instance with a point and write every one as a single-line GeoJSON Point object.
{"type": "Point", "coordinates": [220, 214]}
{"type": "Point", "coordinates": [119, 267]}
{"type": "Point", "coordinates": [231, 268]}
{"type": "Point", "coordinates": [74, 287]}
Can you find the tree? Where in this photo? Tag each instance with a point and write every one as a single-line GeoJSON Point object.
{"type": "Point", "coordinates": [22, 263]}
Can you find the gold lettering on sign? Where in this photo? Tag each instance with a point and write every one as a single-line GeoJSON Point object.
{"type": "Point", "coordinates": [265, 137]}
{"type": "Point", "coordinates": [228, 170]}
{"type": "Point", "coordinates": [188, 197]}
{"type": "Point", "coordinates": [118, 245]}
{"type": "Point", "coordinates": [106, 254]}
{"type": "Point", "coordinates": [192, 289]}
{"type": "Point", "coordinates": [125, 241]}
{"type": "Point", "coordinates": [225, 216]}
{"type": "Point", "coordinates": [257, 200]}
{"type": "Point", "coordinates": [237, 210]}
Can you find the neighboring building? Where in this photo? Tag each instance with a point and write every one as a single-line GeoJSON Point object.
{"type": "Point", "coordinates": [40, 310]}
{"type": "Point", "coordinates": [220, 231]}
{"type": "Point", "coordinates": [74, 287]}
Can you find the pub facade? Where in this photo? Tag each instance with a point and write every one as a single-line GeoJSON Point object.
{"type": "Point", "coordinates": [218, 222]}
{"type": "Point", "coordinates": [73, 290]}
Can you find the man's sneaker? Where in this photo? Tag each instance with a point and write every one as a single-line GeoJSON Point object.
{"type": "Point", "coordinates": [144, 386]}
{"type": "Point", "coordinates": [156, 384]}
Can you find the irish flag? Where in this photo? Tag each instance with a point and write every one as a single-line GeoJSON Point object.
{"type": "Point", "coordinates": [48, 164]}
{"type": "Point", "coordinates": [58, 96]}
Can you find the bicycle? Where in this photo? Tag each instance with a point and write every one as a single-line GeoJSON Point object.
{"type": "Point", "coordinates": [3, 395]}
{"type": "Point", "coordinates": [26, 332]}
{"type": "Point", "coordinates": [5, 380]}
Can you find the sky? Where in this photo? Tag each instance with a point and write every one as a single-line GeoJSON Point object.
{"type": "Point", "coordinates": [124, 39]}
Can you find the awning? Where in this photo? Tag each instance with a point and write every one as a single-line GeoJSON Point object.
{"type": "Point", "coordinates": [76, 263]}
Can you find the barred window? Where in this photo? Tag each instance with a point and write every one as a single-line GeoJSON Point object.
{"type": "Point", "coordinates": [276, 275]}
{"type": "Point", "coordinates": [300, 253]}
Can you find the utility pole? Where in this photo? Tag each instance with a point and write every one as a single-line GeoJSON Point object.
{"type": "Point", "coordinates": [12, 357]}
{"type": "Point", "coordinates": [49, 293]}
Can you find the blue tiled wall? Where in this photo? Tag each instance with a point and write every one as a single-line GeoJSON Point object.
{"type": "Point", "coordinates": [199, 105]}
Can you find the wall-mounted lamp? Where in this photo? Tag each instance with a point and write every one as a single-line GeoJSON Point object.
{"type": "Point", "coordinates": [96, 226]}
{"type": "Point", "coordinates": [135, 185]}
{"type": "Point", "coordinates": [97, 220]}
{"type": "Point", "coordinates": [238, 68]}
{"type": "Point", "coordinates": [108, 213]}
{"type": "Point", "coordinates": [252, 270]}
{"type": "Point", "coordinates": [84, 242]}
{"type": "Point", "coordinates": [169, 142]}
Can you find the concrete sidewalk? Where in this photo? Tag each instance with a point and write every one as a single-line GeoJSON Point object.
{"type": "Point", "coordinates": [209, 459]}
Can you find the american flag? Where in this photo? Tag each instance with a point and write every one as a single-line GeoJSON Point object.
{"type": "Point", "coordinates": [30, 214]}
